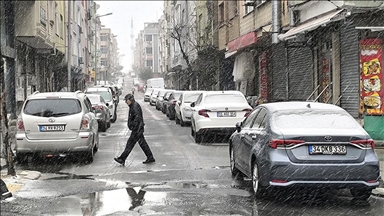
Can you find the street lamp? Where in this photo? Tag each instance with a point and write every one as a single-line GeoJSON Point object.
{"type": "Point", "coordinates": [96, 17]}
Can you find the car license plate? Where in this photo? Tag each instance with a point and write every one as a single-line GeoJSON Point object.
{"type": "Point", "coordinates": [48, 128]}
{"type": "Point", "coordinates": [327, 149]}
{"type": "Point", "coordinates": [226, 114]}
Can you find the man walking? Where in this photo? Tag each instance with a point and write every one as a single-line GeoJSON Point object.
{"type": "Point", "coordinates": [136, 125]}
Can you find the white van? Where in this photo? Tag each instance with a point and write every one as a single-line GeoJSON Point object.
{"type": "Point", "coordinates": [156, 83]}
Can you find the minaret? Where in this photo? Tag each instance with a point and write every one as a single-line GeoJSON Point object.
{"type": "Point", "coordinates": [132, 44]}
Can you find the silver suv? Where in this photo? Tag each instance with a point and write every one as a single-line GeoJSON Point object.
{"type": "Point", "coordinates": [54, 123]}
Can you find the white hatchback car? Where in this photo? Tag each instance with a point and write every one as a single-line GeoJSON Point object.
{"type": "Point", "coordinates": [54, 123]}
{"type": "Point", "coordinates": [217, 112]}
{"type": "Point", "coordinates": [183, 110]}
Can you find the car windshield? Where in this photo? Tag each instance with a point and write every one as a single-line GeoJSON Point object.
{"type": "Point", "coordinates": [312, 119]}
{"type": "Point", "coordinates": [106, 95]}
{"type": "Point", "coordinates": [189, 98]}
{"type": "Point", "coordinates": [224, 98]}
{"type": "Point", "coordinates": [52, 107]}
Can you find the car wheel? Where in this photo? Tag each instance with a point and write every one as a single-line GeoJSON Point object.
{"type": "Point", "coordinates": [192, 131]}
{"type": "Point", "coordinates": [114, 118]}
{"type": "Point", "coordinates": [234, 171]}
{"type": "Point", "coordinates": [198, 137]}
{"type": "Point", "coordinates": [361, 194]}
{"type": "Point", "coordinates": [97, 144]}
{"type": "Point", "coordinates": [257, 189]}
{"type": "Point", "coordinates": [177, 120]}
{"type": "Point", "coordinates": [21, 158]}
{"type": "Point", "coordinates": [182, 123]}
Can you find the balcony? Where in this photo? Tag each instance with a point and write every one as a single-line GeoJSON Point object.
{"type": "Point", "coordinates": [36, 29]}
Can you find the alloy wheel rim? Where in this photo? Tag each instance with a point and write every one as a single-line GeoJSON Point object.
{"type": "Point", "coordinates": [232, 161]}
{"type": "Point", "coordinates": [255, 179]}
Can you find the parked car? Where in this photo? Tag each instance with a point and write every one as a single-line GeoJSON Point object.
{"type": "Point", "coordinates": [101, 111]}
{"type": "Point", "coordinates": [54, 123]}
{"type": "Point", "coordinates": [171, 103]}
{"type": "Point", "coordinates": [217, 112]}
{"type": "Point", "coordinates": [183, 110]}
{"type": "Point", "coordinates": [153, 98]}
{"type": "Point", "coordinates": [160, 98]}
{"type": "Point", "coordinates": [163, 104]}
{"type": "Point", "coordinates": [304, 144]}
{"type": "Point", "coordinates": [106, 93]}
{"type": "Point", "coordinates": [147, 94]}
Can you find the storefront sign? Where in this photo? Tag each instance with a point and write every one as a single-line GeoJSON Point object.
{"type": "Point", "coordinates": [371, 81]}
{"type": "Point", "coordinates": [263, 66]}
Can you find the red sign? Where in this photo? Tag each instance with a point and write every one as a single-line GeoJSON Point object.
{"type": "Point", "coordinates": [263, 66]}
{"type": "Point", "coordinates": [242, 41]}
{"type": "Point", "coordinates": [371, 82]}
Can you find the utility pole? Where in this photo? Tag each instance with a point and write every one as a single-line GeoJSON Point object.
{"type": "Point", "coordinates": [69, 45]}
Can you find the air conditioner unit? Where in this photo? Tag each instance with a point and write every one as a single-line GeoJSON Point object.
{"type": "Point", "coordinates": [249, 3]}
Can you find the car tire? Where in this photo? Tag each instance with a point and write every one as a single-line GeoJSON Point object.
{"type": "Point", "coordinates": [236, 174]}
{"type": "Point", "coordinates": [182, 123]}
{"type": "Point", "coordinates": [192, 132]}
{"type": "Point", "coordinates": [198, 137]}
{"type": "Point", "coordinates": [21, 158]}
{"type": "Point", "coordinates": [113, 120]}
{"type": "Point", "coordinates": [257, 188]}
{"type": "Point", "coordinates": [361, 194]}
{"type": "Point", "coordinates": [177, 120]}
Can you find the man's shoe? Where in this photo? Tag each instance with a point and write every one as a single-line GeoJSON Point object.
{"type": "Point", "coordinates": [118, 160]}
{"type": "Point", "coordinates": [149, 161]}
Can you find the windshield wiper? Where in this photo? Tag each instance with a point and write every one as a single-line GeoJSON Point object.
{"type": "Point", "coordinates": [60, 114]}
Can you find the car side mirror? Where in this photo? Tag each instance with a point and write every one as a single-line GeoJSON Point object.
{"type": "Point", "coordinates": [238, 126]}
{"type": "Point", "coordinates": [193, 104]}
{"type": "Point", "coordinates": [107, 104]}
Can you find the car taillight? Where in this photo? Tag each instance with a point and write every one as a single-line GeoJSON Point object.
{"type": "Point", "coordinates": [367, 143]}
{"type": "Point", "coordinates": [99, 107]}
{"type": "Point", "coordinates": [204, 113]}
{"type": "Point", "coordinates": [20, 125]}
{"type": "Point", "coordinates": [277, 142]}
{"type": "Point", "coordinates": [247, 112]}
{"type": "Point", "coordinates": [85, 124]}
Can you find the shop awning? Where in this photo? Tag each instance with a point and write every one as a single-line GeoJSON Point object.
{"type": "Point", "coordinates": [240, 42]}
{"type": "Point", "coordinates": [311, 25]}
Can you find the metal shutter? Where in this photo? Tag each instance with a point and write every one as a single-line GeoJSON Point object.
{"type": "Point", "coordinates": [300, 72]}
{"type": "Point", "coordinates": [349, 69]}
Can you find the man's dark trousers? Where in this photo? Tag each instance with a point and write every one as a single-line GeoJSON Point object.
{"type": "Point", "coordinates": [136, 137]}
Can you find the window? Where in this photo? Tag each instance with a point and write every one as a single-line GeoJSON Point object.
{"type": "Point", "coordinates": [104, 62]}
{"type": "Point", "coordinates": [250, 119]}
{"type": "Point", "coordinates": [248, 9]}
{"type": "Point", "coordinates": [148, 50]}
{"type": "Point", "coordinates": [57, 23]}
{"type": "Point", "coordinates": [104, 37]}
{"type": "Point", "coordinates": [104, 49]}
{"type": "Point", "coordinates": [149, 63]}
{"type": "Point", "coordinates": [148, 37]}
{"type": "Point", "coordinates": [61, 26]}
{"type": "Point", "coordinates": [260, 118]}
{"type": "Point", "coordinates": [232, 9]}
{"type": "Point", "coordinates": [43, 16]}
{"type": "Point", "coordinates": [201, 33]}
{"type": "Point", "coordinates": [221, 13]}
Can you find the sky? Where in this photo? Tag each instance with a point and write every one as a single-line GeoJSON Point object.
{"type": "Point", "coordinates": [120, 22]}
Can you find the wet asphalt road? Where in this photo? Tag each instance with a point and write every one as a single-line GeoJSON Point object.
{"type": "Point", "coordinates": [187, 179]}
